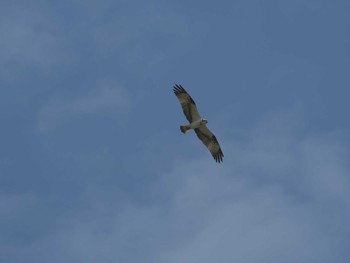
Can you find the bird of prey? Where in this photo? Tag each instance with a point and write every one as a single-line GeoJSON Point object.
{"type": "Point", "coordinates": [197, 123]}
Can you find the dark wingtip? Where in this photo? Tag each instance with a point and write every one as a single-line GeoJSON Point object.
{"type": "Point", "coordinates": [178, 89]}
{"type": "Point", "coordinates": [219, 157]}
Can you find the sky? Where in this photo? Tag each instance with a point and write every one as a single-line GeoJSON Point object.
{"type": "Point", "coordinates": [94, 168]}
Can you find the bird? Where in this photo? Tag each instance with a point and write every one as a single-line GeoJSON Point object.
{"type": "Point", "coordinates": [197, 123]}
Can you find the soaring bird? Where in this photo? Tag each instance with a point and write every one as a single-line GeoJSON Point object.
{"type": "Point", "coordinates": [197, 123]}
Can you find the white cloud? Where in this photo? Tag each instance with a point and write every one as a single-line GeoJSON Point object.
{"type": "Point", "coordinates": [291, 9]}
{"type": "Point", "coordinates": [15, 204]}
{"type": "Point", "coordinates": [102, 99]}
{"type": "Point", "coordinates": [324, 161]}
{"type": "Point", "coordinates": [30, 37]}
{"type": "Point", "coordinates": [146, 39]}
{"type": "Point", "coordinates": [245, 210]}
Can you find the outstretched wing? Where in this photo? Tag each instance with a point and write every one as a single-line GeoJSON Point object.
{"type": "Point", "coordinates": [210, 141]}
{"type": "Point", "coordinates": [187, 103]}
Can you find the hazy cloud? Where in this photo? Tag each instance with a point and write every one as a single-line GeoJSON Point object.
{"type": "Point", "coordinates": [102, 99]}
{"type": "Point", "coordinates": [98, 182]}
{"type": "Point", "coordinates": [29, 36]}
{"type": "Point", "coordinates": [248, 210]}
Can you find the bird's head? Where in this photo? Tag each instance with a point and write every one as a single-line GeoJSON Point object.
{"type": "Point", "coordinates": [204, 121]}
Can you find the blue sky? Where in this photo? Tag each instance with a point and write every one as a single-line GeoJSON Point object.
{"type": "Point", "coordinates": [93, 167]}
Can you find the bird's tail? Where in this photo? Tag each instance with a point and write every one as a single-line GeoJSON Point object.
{"type": "Point", "coordinates": [184, 128]}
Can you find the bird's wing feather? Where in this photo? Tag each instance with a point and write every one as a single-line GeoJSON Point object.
{"type": "Point", "coordinates": [210, 141]}
{"type": "Point", "coordinates": [187, 103]}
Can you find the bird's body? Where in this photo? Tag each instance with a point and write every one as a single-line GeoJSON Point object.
{"type": "Point", "coordinates": [193, 125]}
{"type": "Point", "coordinates": [197, 123]}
